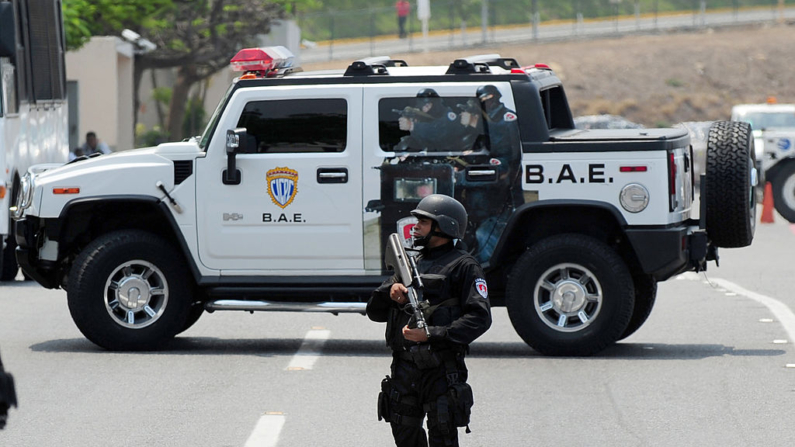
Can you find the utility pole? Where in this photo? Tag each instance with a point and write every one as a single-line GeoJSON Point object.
{"type": "Point", "coordinates": [780, 11]}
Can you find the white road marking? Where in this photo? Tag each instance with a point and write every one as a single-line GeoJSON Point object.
{"type": "Point", "coordinates": [780, 310]}
{"type": "Point", "coordinates": [310, 350]}
{"type": "Point", "coordinates": [266, 432]}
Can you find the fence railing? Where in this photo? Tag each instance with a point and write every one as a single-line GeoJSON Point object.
{"type": "Point", "coordinates": [453, 24]}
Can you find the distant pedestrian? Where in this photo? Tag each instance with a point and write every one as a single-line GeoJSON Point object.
{"type": "Point", "coordinates": [403, 8]}
{"type": "Point", "coordinates": [91, 146]}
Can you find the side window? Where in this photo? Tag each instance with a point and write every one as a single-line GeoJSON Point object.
{"type": "Point", "coordinates": [297, 125]}
{"type": "Point", "coordinates": [431, 123]}
{"type": "Point", "coordinates": [555, 107]}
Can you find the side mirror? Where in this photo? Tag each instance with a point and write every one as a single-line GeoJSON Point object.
{"type": "Point", "coordinates": [236, 143]}
{"type": "Point", "coordinates": [8, 31]}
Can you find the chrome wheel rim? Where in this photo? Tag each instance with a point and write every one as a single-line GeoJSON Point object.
{"type": "Point", "coordinates": [568, 297]}
{"type": "Point", "coordinates": [136, 294]}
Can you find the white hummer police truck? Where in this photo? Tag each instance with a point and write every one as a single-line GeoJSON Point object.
{"type": "Point", "coordinates": [33, 112]}
{"type": "Point", "coordinates": [774, 135]}
{"type": "Point", "coordinates": [286, 201]}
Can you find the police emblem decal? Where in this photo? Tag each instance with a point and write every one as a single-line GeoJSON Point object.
{"type": "Point", "coordinates": [483, 290]}
{"type": "Point", "coordinates": [404, 228]}
{"type": "Point", "coordinates": [282, 185]}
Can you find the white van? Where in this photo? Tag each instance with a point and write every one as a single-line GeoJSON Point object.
{"type": "Point", "coordinates": [33, 110]}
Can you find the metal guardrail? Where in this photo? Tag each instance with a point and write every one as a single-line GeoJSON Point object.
{"type": "Point", "coordinates": [496, 22]}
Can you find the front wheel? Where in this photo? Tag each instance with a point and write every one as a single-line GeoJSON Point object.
{"type": "Point", "coordinates": [784, 191]}
{"type": "Point", "coordinates": [129, 290]}
{"type": "Point", "coordinates": [570, 295]}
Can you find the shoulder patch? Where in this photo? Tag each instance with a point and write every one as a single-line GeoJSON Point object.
{"type": "Point", "coordinates": [483, 289]}
{"type": "Point", "coordinates": [509, 116]}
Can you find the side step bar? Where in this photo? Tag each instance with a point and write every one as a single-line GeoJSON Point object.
{"type": "Point", "coordinates": [270, 306]}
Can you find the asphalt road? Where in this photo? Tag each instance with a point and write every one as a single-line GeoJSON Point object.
{"type": "Point", "coordinates": [713, 366]}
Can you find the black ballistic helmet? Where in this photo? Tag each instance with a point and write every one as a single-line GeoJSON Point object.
{"type": "Point", "coordinates": [448, 213]}
{"type": "Point", "coordinates": [485, 92]}
{"type": "Point", "coordinates": [427, 93]}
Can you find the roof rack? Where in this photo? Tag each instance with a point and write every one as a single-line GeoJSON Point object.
{"type": "Point", "coordinates": [481, 63]}
{"type": "Point", "coordinates": [386, 61]}
{"type": "Point", "coordinates": [373, 66]}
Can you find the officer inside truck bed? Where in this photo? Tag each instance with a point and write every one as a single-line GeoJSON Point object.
{"type": "Point", "coordinates": [428, 374]}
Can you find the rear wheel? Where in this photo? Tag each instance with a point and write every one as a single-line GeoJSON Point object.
{"type": "Point", "coordinates": [730, 189]}
{"type": "Point", "coordinates": [129, 290]}
{"type": "Point", "coordinates": [784, 191]}
{"type": "Point", "coordinates": [570, 295]}
{"type": "Point", "coordinates": [645, 296]}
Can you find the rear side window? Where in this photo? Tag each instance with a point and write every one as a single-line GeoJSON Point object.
{"type": "Point", "coordinates": [556, 110]}
{"type": "Point", "coordinates": [297, 125]}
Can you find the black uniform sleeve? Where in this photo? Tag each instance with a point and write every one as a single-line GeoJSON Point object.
{"type": "Point", "coordinates": [476, 312]}
{"type": "Point", "coordinates": [379, 304]}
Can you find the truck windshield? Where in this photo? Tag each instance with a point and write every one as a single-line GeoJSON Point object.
{"type": "Point", "coordinates": [766, 120]}
{"type": "Point", "coordinates": [208, 131]}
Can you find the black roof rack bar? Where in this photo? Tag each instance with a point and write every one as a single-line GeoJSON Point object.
{"type": "Point", "coordinates": [463, 66]}
{"type": "Point", "coordinates": [373, 66]}
{"type": "Point", "coordinates": [359, 68]}
{"type": "Point", "coordinates": [495, 60]}
{"type": "Point", "coordinates": [386, 61]}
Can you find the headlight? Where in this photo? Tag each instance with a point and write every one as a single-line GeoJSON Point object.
{"type": "Point", "coordinates": [634, 197]}
{"type": "Point", "coordinates": [24, 196]}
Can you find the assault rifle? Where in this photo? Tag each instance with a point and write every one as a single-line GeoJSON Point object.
{"type": "Point", "coordinates": [406, 269]}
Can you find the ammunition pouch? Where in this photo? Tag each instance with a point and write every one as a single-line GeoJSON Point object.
{"type": "Point", "coordinates": [422, 356]}
{"type": "Point", "coordinates": [389, 399]}
{"type": "Point", "coordinates": [462, 400]}
{"type": "Point", "coordinates": [383, 400]}
{"type": "Point", "coordinates": [451, 410]}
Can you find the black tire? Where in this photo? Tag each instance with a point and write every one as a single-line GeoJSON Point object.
{"type": "Point", "coordinates": [129, 290]}
{"type": "Point", "coordinates": [587, 273]}
{"type": "Point", "coordinates": [645, 296]}
{"type": "Point", "coordinates": [195, 312]}
{"type": "Point", "coordinates": [784, 191]}
{"type": "Point", "coordinates": [8, 259]}
{"type": "Point", "coordinates": [8, 263]}
{"type": "Point", "coordinates": [730, 195]}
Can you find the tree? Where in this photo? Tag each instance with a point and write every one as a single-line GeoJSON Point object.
{"type": "Point", "coordinates": [86, 18]}
{"type": "Point", "coordinates": [198, 38]}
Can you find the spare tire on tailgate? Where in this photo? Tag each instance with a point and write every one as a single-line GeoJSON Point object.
{"type": "Point", "coordinates": [729, 193]}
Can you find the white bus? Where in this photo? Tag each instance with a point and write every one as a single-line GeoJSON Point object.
{"type": "Point", "coordinates": [33, 109]}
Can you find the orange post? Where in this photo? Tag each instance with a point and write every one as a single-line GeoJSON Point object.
{"type": "Point", "coordinates": [767, 204]}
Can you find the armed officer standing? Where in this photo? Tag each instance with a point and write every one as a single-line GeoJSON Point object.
{"type": "Point", "coordinates": [428, 373]}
